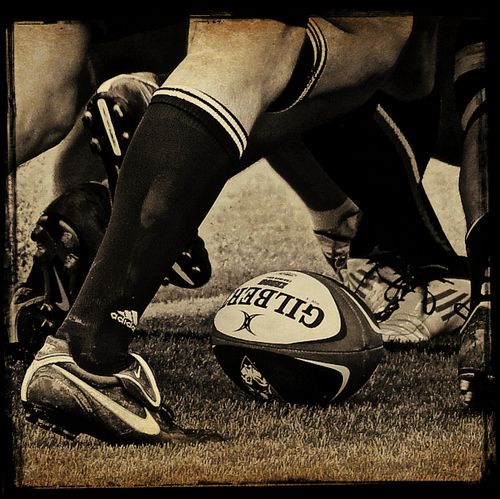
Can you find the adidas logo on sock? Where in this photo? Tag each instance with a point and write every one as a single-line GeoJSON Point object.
{"type": "Point", "coordinates": [126, 317]}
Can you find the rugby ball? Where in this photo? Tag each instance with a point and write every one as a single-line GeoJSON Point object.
{"type": "Point", "coordinates": [296, 336]}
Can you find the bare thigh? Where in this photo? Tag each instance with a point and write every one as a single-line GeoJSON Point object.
{"type": "Point", "coordinates": [361, 56]}
{"type": "Point", "coordinates": [359, 51]}
{"type": "Point", "coordinates": [51, 82]}
{"type": "Point", "coordinates": [244, 64]}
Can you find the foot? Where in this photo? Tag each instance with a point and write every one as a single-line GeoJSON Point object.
{"type": "Point", "coordinates": [124, 408]}
{"type": "Point", "coordinates": [112, 116]}
{"type": "Point", "coordinates": [412, 305]}
{"type": "Point", "coordinates": [475, 366]}
{"type": "Point", "coordinates": [40, 304]}
{"type": "Point", "coordinates": [192, 269]}
{"type": "Point", "coordinates": [67, 236]}
{"type": "Point", "coordinates": [428, 311]}
{"type": "Point", "coordinates": [335, 243]}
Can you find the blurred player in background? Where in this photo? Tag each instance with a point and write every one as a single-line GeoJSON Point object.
{"type": "Point", "coordinates": [75, 58]}
{"type": "Point", "coordinates": [476, 362]}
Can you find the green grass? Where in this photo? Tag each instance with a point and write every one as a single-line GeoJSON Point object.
{"type": "Point", "coordinates": [405, 424]}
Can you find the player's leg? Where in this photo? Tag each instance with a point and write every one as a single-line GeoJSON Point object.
{"type": "Point", "coordinates": [52, 81]}
{"type": "Point", "coordinates": [334, 216]}
{"type": "Point", "coordinates": [114, 50]}
{"type": "Point", "coordinates": [475, 364]}
{"type": "Point", "coordinates": [146, 199]}
{"type": "Point", "coordinates": [201, 121]}
{"type": "Point", "coordinates": [378, 156]}
{"type": "Point", "coordinates": [173, 186]}
{"type": "Point", "coordinates": [343, 69]}
{"type": "Point", "coordinates": [414, 298]}
{"type": "Point", "coordinates": [187, 145]}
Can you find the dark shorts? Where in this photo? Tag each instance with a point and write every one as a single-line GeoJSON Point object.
{"type": "Point", "coordinates": [134, 47]}
{"type": "Point", "coordinates": [292, 16]}
{"type": "Point", "coordinates": [157, 44]}
{"type": "Point", "coordinates": [378, 156]}
{"type": "Point", "coordinates": [109, 29]}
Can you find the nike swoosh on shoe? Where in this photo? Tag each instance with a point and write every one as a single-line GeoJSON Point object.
{"type": "Point", "coordinates": [64, 303]}
{"type": "Point", "coordinates": [146, 425]}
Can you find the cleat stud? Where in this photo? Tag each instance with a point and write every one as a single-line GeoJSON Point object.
{"type": "Point", "coordinates": [40, 251]}
{"type": "Point", "coordinates": [68, 241]}
{"type": "Point", "coordinates": [47, 325]}
{"type": "Point", "coordinates": [46, 306]}
{"type": "Point", "coordinates": [87, 118]}
{"type": "Point", "coordinates": [95, 146]}
{"type": "Point", "coordinates": [35, 233]}
{"type": "Point", "coordinates": [125, 136]}
{"type": "Point", "coordinates": [464, 385]}
{"type": "Point", "coordinates": [118, 110]}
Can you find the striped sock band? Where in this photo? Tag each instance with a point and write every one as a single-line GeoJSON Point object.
{"type": "Point", "coordinates": [307, 72]}
{"type": "Point", "coordinates": [469, 82]}
{"type": "Point", "coordinates": [216, 117]}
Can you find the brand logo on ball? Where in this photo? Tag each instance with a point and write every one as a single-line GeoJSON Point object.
{"type": "Point", "coordinates": [290, 306]}
{"type": "Point", "coordinates": [305, 312]}
{"type": "Point", "coordinates": [246, 322]}
{"type": "Point", "coordinates": [253, 379]}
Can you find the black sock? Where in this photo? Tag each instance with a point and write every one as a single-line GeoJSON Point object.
{"type": "Point", "coordinates": [182, 154]}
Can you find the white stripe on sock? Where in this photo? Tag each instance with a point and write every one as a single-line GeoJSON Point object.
{"type": "Point", "coordinates": [213, 107]}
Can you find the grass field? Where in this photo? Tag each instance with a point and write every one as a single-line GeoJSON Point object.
{"type": "Point", "coordinates": [406, 425]}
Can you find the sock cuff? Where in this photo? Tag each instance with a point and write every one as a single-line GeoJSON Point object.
{"type": "Point", "coordinates": [216, 117]}
{"type": "Point", "coordinates": [329, 219]}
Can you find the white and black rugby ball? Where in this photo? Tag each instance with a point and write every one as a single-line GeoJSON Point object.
{"type": "Point", "coordinates": [296, 336]}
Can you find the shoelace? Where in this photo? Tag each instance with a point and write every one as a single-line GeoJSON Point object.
{"type": "Point", "coordinates": [410, 278]}
{"type": "Point", "coordinates": [458, 309]}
